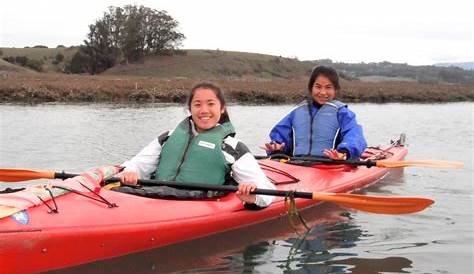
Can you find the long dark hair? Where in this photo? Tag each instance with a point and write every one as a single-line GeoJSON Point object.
{"type": "Point", "coordinates": [329, 72]}
{"type": "Point", "coordinates": [219, 94]}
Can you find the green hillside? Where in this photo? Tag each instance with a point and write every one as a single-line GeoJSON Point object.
{"type": "Point", "coordinates": [211, 63]}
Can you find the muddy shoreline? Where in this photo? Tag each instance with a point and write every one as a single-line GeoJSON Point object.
{"type": "Point", "coordinates": [41, 88]}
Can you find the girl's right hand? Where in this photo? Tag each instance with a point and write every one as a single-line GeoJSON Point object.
{"type": "Point", "coordinates": [129, 178]}
{"type": "Point", "coordinates": [243, 193]}
{"type": "Point", "coordinates": [271, 147]}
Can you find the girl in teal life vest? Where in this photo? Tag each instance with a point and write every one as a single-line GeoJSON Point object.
{"type": "Point", "coordinates": [322, 126]}
{"type": "Point", "coordinates": [202, 148]}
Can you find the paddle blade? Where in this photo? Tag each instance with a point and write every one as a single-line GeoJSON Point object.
{"type": "Point", "coordinates": [420, 163]}
{"type": "Point", "coordinates": [376, 204]}
{"type": "Point", "coordinates": [18, 175]}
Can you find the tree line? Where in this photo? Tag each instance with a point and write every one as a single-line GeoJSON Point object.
{"type": "Point", "coordinates": [421, 74]}
{"type": "Point", "coordinates": [125, 34]}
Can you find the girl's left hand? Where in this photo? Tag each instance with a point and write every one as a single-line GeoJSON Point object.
{"type": "Point", "coordinates": [244, 193]}
{"type": "Point", "coordinates": [335, 155]}
{"type": "Point", "coordinates": [271, 147]}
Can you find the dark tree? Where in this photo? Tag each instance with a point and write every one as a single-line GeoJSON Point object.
{"type": "Point", "coordinates": [128, 34]}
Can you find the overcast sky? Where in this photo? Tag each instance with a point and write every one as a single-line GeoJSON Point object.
{"type": "Point", "coordinates": [416, 32]}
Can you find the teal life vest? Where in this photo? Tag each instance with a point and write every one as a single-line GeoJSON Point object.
{"type": "Point", "coordinates": [189, 158]}
{"type": "Point", "coordinates": [314, 134]}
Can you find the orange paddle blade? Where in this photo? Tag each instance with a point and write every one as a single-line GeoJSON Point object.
{"type": "Point", "coordinates": [376, 204]}
{"type": "Point", "coordinates": [420, 163]}
{"type": "Point", "coordinates": [18, 175]}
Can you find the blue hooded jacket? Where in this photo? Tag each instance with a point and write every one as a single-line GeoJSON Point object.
{"type": "Point", "coordinates": [349, 139]}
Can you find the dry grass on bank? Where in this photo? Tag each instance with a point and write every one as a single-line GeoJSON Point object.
{"type": "Point", "coordinates": [34, 88]}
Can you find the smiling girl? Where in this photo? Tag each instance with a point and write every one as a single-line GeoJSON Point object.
{"type": "Point", "coordinates": [201, 149]}
{"type": "Point", "coordinates": [322, 126]}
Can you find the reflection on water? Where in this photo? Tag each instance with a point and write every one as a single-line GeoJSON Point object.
{"type": "Point", "coordinates": [314, 251]}
{"type": "Point", "coordinates": [319, 250]}
{"type": "Point", "coordinates": [373, 266]}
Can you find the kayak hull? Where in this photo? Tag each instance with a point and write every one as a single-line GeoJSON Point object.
{"type": "Point", "coordinates": [85, 230]}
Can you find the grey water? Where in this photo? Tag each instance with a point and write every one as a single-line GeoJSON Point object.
{"type": "Point", "coordinates": [439, 239]}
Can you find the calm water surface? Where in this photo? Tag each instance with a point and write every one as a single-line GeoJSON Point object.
{"type": "Point", "coordinates": [438, 240]}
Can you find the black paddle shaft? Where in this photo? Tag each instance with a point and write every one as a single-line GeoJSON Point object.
{"type": "Point", "coordinates": [201, 186]}
{"type": "Point", "coordinates": [326, 161]}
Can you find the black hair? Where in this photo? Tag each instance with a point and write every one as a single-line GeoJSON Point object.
{"type": "Point", "coordinates": [329, 72]}
{"type": "Point", "coordinates": [219, 94]}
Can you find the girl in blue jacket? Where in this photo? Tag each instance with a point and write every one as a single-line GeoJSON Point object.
{"type": "Point", "coordinates": [322, 126]}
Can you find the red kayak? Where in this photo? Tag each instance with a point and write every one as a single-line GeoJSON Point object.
{"type": "Point", "coordinates": [85, 230]}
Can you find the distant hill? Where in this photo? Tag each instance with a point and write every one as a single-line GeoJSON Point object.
{"type": "Point", "coordinates": [211, 63]}
{"type": "Point", "coordinates": [206, 64]}
{"type": "Point", "coordinates": [463, 65]}
{"type": "Point", "coordinates": [421, 74]}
